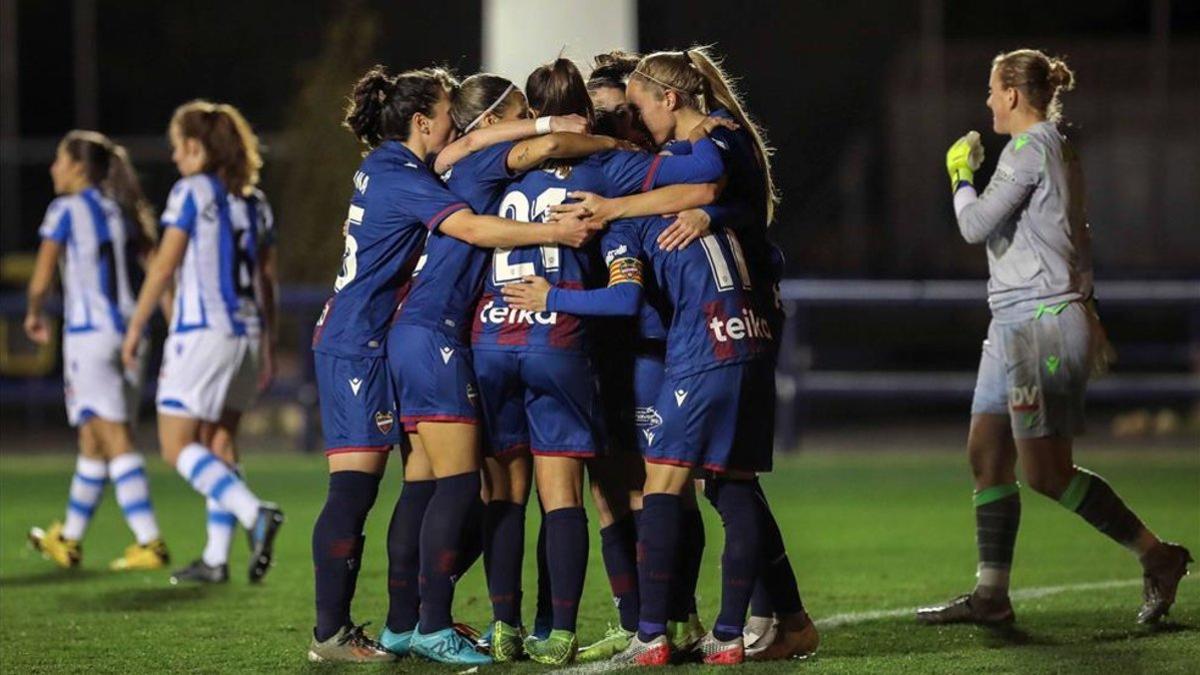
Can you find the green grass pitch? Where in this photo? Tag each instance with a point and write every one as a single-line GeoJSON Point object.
{"type": "Point", "coordinates": [867, 531]}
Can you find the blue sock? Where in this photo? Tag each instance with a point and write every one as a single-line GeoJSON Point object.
{"type": "Point", "coordinates": [544, 619]}
{"type": "Point", "coordinates": [337, 544]}
{"type": "Point", "coordinates": [738, 503]}
{"type": "Point", "coordinates": [687, 565]}
{"type": "Point", "coordinates": [618, 547]}
{"type": "Point", "coordinates": [404, 554]}
{"type": "Point", "coordinates": [503, 558]}
{"type": "Point", "coordinates": [441, 546]}
{"type": "Point", "coordinates": [776, 591]}
{"type": "Point", "coordinates": [472, 540]}
{"type": "Point", "coordinates": [658, 544]}
{"type": "Point", "coordinates": [566, 554]}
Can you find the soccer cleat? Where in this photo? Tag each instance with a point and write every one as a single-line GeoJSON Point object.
{"type": "Point", "coordinates": [759, 633]}
{"type": "Point", "coordinates": [1164, 566]}
{"type": "Point", "coordinates": [558, 649]}
{"type": "Point", "coordinates": [685, 635]}
{"type": "Point", "coordinates": [262, 540]}
{"type": "Point", "coordinates": [484, 643]}
{"type": "Point", "coordinates": [716, 652]}
{"type": "Point", "coordinates": [66, 553]}
{"type": "Point", "coordinates": [796, 637]}
{"type": "Point", "coordinates": [399, 644]}
{"type": "Point", "coordinates": [507, 642]}
{"type": "Point", "coordinates": [150, 556]}
{"type": "Point", "coordinates": [202, 573]}
{"type": "Point", "coordinates": [656, 652]}
{"type": "Point", "coordinates": [349, 645]}
{"type": "Point", "coordinates": [969, 608]}
{"type": "Point", "coordinates": [447, 646]}
{"type": "Point", "coordinates": [616, 640]}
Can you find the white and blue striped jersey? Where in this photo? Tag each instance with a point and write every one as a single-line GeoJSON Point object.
{"type": "Point", "coordinates": [97, 293]}
{"type": "Point", "coordinates": [214, 286]}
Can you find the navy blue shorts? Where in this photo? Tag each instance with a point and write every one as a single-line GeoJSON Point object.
{"type": "Point", "coordinates": [547, 404]}
{"type": "Point", "coordinates": [433, 375]}
{"type": "Point", "coordinates": [630, 381]}
{"type": "Point", "coordinates": [716, 419]}
{"type": "Point", "coordinates": [358, 403]}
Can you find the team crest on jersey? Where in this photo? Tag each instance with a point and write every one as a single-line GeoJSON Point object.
{"type": "Point", "coordinates": [1024, 399]}
{"type": "Point", "coordinates": [384, 421]}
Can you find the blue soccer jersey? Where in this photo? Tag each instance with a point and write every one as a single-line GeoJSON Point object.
{"type": "Point", "coordinates": [742, 207]}
{"type": "Point", "coordinates": [611, 174]}
{"type": "Point", "coordinates": [713, 320]}
{"type": "Point", "coordinates": [98, 294]}
{"type": "Point", "coordinates": [214, 285]}
{"type": "Point", "coordinates": [397, 200]}
{"type": "Point", "coordinates": [448, 276]}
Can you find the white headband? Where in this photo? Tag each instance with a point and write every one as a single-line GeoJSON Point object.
{"type": "Point", "coordinates": [490, 108]}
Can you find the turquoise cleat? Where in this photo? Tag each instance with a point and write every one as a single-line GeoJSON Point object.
{"type": "Point", "coordinates": [447, 646]}
{"type": "Point", "coordinates": [399, 644]}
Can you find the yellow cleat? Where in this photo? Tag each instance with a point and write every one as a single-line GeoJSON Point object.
{"type": "Point", "coordinates": [151, 556]}
{"type": "Point", "coordinates": [66, 553]}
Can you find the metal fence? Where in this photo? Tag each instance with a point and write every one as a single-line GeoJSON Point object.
{"type": "Point", "coordinates": [1167, 372]}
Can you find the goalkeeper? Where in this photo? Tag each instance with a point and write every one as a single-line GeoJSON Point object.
{"type": "Point", "coordinates": [1044, 341]}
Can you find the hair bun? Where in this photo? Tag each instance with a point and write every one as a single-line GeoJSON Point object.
{"type": "Point", "coordinates": [1060, 76]}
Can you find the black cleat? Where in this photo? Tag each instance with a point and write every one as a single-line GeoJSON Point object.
{"type": "Point", "coordinates": [1163, 568]}
{"type": "Point", "coordinates": [970, 608]}
{"type": "Point", "coordinates": [201, 572]}
{"type": "Point", "coordinates": [262, 540]}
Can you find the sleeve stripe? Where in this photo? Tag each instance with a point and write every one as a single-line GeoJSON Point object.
{"type": "Point", "coordinates": [437, 219]}
{"type": "Point", "coordinates": [648, 183]}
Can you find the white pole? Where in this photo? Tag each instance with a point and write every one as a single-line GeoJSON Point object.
{"type": "Point", "coordinates": [520, 35]}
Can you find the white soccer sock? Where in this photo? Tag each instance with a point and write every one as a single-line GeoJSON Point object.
{"type": "Point", "coordinates": [221, 524]}
{"type": "Point", "coordinates": [86, 489]}
{"type": "Point", "coordinates": [128, 475]}
{"type": "Point", "coordinates": [213, 478]}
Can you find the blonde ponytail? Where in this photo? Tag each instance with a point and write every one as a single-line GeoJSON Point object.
{"type": "Point", "coordinates": [697, 77]}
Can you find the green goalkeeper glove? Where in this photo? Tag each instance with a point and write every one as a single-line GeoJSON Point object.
{"type": "Point", "coordinates": [963, 159]}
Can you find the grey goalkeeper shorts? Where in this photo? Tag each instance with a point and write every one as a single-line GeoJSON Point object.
{"type": "Point", "coordinates": [1036, 372]}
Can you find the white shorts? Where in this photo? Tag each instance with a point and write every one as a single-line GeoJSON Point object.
{"type": "Point", "coordinates": [1036, 372]}
{"type": "Point", "coordinates": [205, 372]}
{"type": "Point", "coordinates": [95, 383]}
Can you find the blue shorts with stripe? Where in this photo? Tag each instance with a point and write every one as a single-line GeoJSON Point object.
{"type": "Point", "coordinates": [544, 403]}
{"type": "Point", "coordinates": [716, 419]}
{"type": "Point", "coordinates": [358, 403]}
{"type": "Point", "coordinates": [433, 375]}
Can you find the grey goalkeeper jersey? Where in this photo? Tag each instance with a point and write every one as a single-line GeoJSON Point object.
{"type": "Point", "coordinates": [1033, 220]}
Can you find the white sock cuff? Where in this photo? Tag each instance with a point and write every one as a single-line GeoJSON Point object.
{"type": "Point", "coordinates": [122, 464]}
{"type": "Point", "coordinates": [994, 577]}
{"type": "Point", "coordinates": [95, 469]}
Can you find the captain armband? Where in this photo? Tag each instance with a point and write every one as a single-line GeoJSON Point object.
{"type": "Point", "coordinates": [624, 270]}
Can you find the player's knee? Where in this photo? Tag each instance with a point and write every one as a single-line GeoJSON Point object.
{"type": "Point", "coordinates": [1048, 482]}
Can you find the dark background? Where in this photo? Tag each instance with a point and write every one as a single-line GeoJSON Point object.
{"type": "Point", "coordinates": [860, 100]}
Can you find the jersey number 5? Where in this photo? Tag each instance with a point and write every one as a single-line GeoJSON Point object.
{"type": "Point", "coordinates": [350, 254]}
{"type": "Point", "coordinates": [516, 206]}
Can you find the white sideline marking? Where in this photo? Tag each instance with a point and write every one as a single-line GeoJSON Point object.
{"type": "Point", "coordinates": [1019, 594]}
{"type": "Point", "coordinates": [873, 615]}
